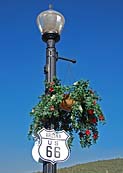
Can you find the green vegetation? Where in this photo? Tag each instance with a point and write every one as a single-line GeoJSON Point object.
{"type": "Point", "coordinates": [78, 104]}
{"type": "Point", "coordinates": [105, 166]}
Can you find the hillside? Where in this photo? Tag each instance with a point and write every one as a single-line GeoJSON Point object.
{"type": "Point", "coordinates": [104, 166]}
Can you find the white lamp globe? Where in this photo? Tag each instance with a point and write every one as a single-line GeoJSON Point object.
{"type": "Point", "coordinates": [50, 21]}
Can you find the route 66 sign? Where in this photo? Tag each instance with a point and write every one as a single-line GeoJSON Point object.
{"type": "Point", "coordinates": [52, 146]}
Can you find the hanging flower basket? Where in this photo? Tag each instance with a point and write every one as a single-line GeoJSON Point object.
{"type": "Point", "coordinates": [67, 103]}
{"type": "Point", "coordinates": [73, 108]}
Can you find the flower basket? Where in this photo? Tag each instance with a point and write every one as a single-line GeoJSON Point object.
{"type": "Point", "coordinates": [67, 103]}
{"type": "Point", "coordinates": [72, 108]}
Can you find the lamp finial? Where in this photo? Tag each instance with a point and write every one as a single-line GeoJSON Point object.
{"type": "Point", "coordinates": [50, 6]}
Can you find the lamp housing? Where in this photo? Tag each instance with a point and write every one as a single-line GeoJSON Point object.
{"type": "Point", "coordinates": [50, 21]}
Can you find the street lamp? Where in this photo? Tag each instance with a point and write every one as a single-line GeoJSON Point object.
{"type": "Point", "coordinates": [50, 24]}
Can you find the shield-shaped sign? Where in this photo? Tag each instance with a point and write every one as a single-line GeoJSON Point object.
{"type": "Point", "coordinates": [35, 153]}
{"type": "Point", "coordinates": [53, 145]}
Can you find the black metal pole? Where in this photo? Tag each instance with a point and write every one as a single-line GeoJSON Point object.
{"type": "Point", "coordinates": [50, 72]}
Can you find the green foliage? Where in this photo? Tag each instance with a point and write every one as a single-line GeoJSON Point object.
{"type": "Point", "coordinates": [106, 166]}
{"type": "Point", "coordinates": [82, 116]}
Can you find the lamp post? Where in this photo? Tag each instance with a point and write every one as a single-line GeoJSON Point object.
{"type": "Point", "coordinates": [50, 24]}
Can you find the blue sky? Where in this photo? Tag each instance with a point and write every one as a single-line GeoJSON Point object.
{"type": "Point", "coordinates": [93, 34]}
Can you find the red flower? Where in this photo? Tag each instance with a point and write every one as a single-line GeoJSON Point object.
{"type": "Point", "coordinates": [51, 90]}
{"type": "Point", "coordinates": [52, 83]}
{"type": "Point", "coordinates": [80, 134]}
{"type": "Point", "coordinates": [94, 102]}
{"type": "Point", "coordinates": [90, 111]}
{"type": "Point", "coordinates": [52, 108]}
{"type": "Point", "coordinates": [94, 120]}
{"type": "Point", "coordinates": [101, 117]}
{"type": "Point", "coordinates": [95, 136]}
{"type": "Point", "coordinates": [87, 132]}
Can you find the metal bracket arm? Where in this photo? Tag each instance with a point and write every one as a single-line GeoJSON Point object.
{"type": "Point", "coordinates": [66, 59]}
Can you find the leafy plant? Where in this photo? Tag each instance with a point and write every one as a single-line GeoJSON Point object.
{"type": "Point", "coordinates": [73, 108]}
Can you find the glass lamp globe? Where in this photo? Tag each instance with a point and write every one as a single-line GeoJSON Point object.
{"type": "Point", "coordinates": [50, 21]}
